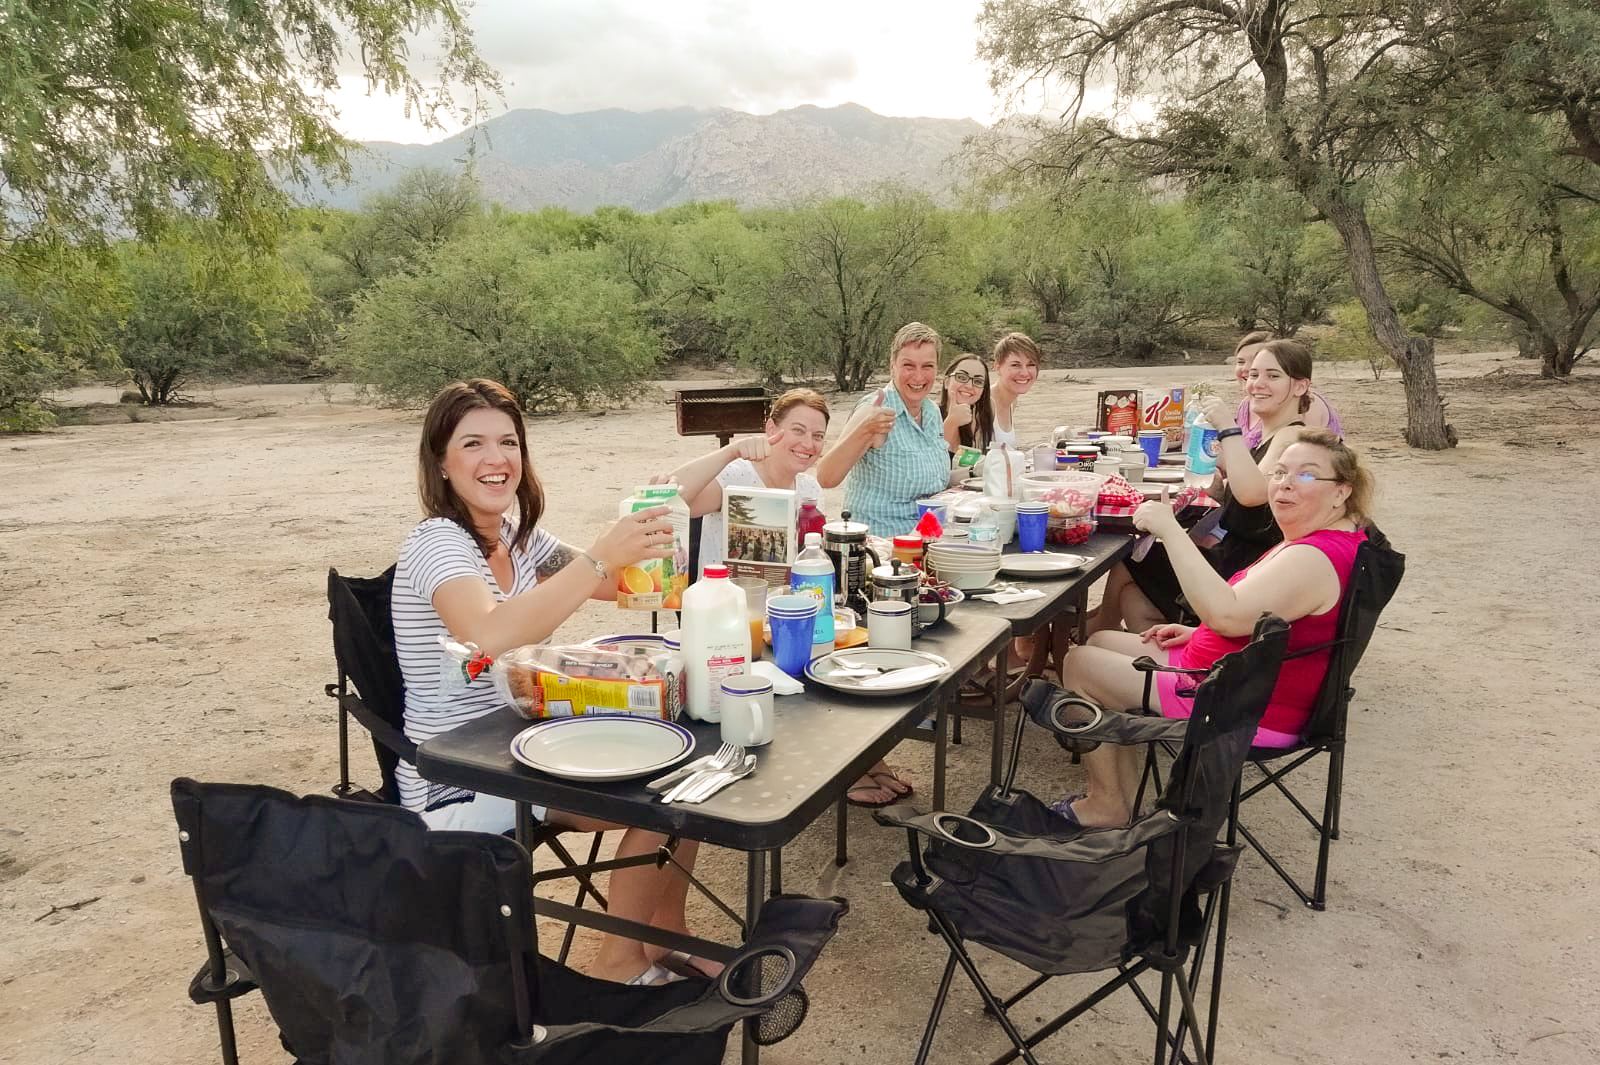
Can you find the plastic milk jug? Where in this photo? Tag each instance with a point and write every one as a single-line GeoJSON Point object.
{"type": "Point", "coordinates": [1003, 468]}
{"type": "Point", "coordinates": [812, 574]}
{"type": "Point", "coordinates": [715, 635]}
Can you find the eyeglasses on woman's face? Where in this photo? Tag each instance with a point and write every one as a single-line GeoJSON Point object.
{"type": "Point", "coordinates": [1300, 477]}
{"type": "Point", "coordinates": [969, 379]}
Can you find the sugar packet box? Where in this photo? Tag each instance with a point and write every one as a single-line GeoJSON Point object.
{"type": "Point", "coordinates": [1164, 410]}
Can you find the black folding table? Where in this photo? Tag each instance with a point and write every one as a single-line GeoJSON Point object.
{"type": "Point", "coordinates": [823, 741]}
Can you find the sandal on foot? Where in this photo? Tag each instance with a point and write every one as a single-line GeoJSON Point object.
{"type": "Point", "coordinates": [875, 787]}
{"type": "Point", "coordinates": [655, 976]}
{"type": "Point", "coordinates": [1063, 808]}
{"type": "Point", "coordinates": [683, 964]}
{"type": "Point", "coordinates": [889, 778]}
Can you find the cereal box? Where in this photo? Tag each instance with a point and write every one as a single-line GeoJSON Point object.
{"type": "Point", "coordinates": [1117, 412]}
{"type": "Point", "coordinates": [1164, 410]}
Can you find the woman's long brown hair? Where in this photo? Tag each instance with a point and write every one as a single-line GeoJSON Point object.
{"type": "Point", "coordinates": [981, 430]}
{"type": "Point", "coordinates": [439, 500]}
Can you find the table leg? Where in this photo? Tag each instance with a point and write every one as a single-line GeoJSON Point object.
{"type": "Point", "coordinates": [522, 824]}
{"type": "Point", "coordinates": [840, 851]}
{"type": "Point", "coordinates": [941, 728]}
{"type": "Point", "coordinates": [997, 737]}
{"type": "Point", "coordinates": [777, 872]}
{"type": "Point", "coordinates": [755, 891]}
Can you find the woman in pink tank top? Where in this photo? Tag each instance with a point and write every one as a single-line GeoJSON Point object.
{"type": "Point", "coordinates": [1320, 497]}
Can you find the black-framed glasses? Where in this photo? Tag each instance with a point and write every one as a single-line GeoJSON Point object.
{"type": "Point", "coordinates": [966, 378]}
{"type": "Point", "coordinates": [1279, 475]}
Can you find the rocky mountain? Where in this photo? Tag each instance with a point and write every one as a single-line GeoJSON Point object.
{"type": "Point", "coordinates": [531, 158]}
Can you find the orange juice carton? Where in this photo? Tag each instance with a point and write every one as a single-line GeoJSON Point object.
{"type": "Point", "coordinates": [657, 583]}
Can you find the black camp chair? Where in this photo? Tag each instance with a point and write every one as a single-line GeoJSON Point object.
{"type": "Point", "coordinates": [363, 650]}
{"type": "Point", "coordinates": [1373, 581]}
{"type": "Point", "coordinates": [1019, 879]}
{"type": "Point", "coordinates": [374, 940]}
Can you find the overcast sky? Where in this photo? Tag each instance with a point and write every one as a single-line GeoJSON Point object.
{"type": "Point", "coordinates": [897, 57]}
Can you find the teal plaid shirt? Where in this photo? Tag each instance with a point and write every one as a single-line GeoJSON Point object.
{"type": "Point", "coordinates": [884, 486]}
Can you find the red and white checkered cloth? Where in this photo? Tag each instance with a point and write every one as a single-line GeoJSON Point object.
{"type": "Point", "coordinates": [1119, 499]}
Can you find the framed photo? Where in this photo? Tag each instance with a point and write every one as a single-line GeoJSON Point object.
{"type": "Point", "coordinates": [758, 532]}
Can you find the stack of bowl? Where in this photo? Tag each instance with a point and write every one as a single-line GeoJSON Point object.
{"type": "Point", "coordinates": [964, 566]}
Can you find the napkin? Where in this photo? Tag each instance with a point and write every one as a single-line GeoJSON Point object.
{"type": "Point", "coordinates": [1017, 595]}
{"type": "Point", "coordinates": [782, 683]}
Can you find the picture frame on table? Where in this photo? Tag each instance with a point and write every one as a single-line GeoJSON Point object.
{"type": "Point", "coordinates": [759, 538]}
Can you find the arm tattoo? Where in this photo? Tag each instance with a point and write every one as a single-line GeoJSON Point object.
{"type": "Point", "coordinates": [557, 560]}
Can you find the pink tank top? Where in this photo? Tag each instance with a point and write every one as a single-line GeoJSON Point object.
{"type": "Point", "coordinates": [1300, 679]}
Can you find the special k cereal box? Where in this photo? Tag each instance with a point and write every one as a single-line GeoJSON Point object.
{"type": "Point", "coordinates": [1164, 410]}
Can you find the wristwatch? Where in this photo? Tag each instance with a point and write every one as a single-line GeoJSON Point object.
{"type": "Point", "coordinates": [1232, 430]}
{"type": "Point", "coordinates": [601, 570]}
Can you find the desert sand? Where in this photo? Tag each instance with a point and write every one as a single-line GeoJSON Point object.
{"type": "Point", "coordinates": [164, 615]}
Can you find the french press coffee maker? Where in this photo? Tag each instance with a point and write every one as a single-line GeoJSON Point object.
{"type": "Point", "coordinates": [845, 542]}
{"type": "Point", "coordinates": [894, 580]}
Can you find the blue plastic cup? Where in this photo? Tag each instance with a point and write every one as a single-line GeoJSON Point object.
{"type": "Point", "coordinates": [925, 505]}
{"type": "Point", "coordinates": [1031, 529]}
{"type": "Point", "coordinates": [793, 619]}
{"type": "Point", "coordinates": [1151, 442]}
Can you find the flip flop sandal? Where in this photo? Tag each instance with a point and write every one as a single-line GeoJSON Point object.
{"type": "Point", "coordinates": [894, 774]}
{"type": "Point", "coordinates": [655, 976]}
{"type": "Point", "coordinates": [871, 804]}
{"type": "Point", "coordinates": [683, 964]}
{"type": "Point", "coordinates": [1063, 808]}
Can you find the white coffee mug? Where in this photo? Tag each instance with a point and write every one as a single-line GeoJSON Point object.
{"type": "Point", "coordinates": [747, 710]}
{"type": "Point", "coordinates": [889, 625]}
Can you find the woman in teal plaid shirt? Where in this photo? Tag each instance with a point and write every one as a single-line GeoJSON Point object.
{"type": "Point", "coordinates": [893, 447]}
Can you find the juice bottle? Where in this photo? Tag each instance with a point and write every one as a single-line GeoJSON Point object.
{"type": "Point", "coordinates": [657, 583]}
{"type": "Point", "coordinates": [810, 520]}
{"type": "Point", "coordinates": [716, 640]}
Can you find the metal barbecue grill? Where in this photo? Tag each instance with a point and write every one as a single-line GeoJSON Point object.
{"type": "Point", "coordinates": [721, 412]}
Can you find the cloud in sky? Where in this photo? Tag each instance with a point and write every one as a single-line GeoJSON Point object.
{"type": "Point", "coordinates": [897, 57]}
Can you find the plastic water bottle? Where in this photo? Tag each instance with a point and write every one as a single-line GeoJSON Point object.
{"type": "Point", "coordinates": [716, 640]}
{"type": "Point", "coordinates": [1200, 456]}
{"type": "Point", "coordinates": [812, 574]}
{"type": "Point", "coordinates": [985, 527]}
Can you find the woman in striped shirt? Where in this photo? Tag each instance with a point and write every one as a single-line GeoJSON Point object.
{"type": "Point", "coordinates": [479, 570]}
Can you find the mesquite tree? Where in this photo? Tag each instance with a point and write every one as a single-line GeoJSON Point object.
{"type": "Point", "coordinates": [1304, 91]}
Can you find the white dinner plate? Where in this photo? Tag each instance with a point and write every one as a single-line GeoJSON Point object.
{"type": "Point", "coordinates": [1153, 491]}
{"type": "Point", "coordinates": [1052, 564]}
{"type": "Point", "coordinates": [921, 669]}
{"type": "Point", "coordinates": [601, 746]}
{"type": "Point", "coordinates": [1169, 474]}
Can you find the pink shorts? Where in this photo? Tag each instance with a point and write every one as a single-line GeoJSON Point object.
{"type": "Point", "coordinates": [1174, 704]}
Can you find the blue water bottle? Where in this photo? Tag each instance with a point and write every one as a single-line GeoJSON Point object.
{"type": "Point", "coordinates": [1200, 457]}
{"type": "Point", "coordinates": [812, 574]}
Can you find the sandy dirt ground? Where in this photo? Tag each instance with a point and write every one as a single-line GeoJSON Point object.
{"type": "Point", "coordinates": [164, 615]}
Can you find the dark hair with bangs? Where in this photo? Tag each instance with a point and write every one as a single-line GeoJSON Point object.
{"type": "Point", "coordinates": [980, 430]}
{"type": "Point", "coordinates": [439, 500]}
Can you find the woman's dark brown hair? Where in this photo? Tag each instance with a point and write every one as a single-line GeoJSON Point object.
{"type": "Point", "coordinates": [980, 430]}
{"type": "Point", "coordinates": [1294, 358]}
{"type": "Point", "coordinates": [439, 500]}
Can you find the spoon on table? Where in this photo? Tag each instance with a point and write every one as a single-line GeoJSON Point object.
{"type": "Point", "coordinates": [718, 781]}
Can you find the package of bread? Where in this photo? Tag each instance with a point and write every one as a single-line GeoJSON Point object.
{"type": "Point", "coordinates": [539, 681]}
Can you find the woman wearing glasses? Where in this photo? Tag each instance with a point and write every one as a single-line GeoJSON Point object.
{"type": "Point", "coordinates": [1278, 384]}
{"type": "Point", "coordinates": [976, 415]}
{"type": "Point", "coordinates": [965, 404]}
{"type": "Point", "coordinates": [1321, 497]}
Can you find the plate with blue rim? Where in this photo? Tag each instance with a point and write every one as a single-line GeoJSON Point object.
{"type": "Point", "coordinates": [602, 746]}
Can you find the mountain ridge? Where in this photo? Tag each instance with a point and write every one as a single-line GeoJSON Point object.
{"type": "Point", "coordinates": [647, 160]}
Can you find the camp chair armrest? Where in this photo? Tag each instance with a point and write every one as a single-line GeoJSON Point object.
{"type": "Point", "coordinates": [386, 734]}
{"type": "Point", "coordinates": [1146, 664]}
{"type": "Point", "coordinates": [1093, 845]}
{"type": "Point", "coordinates": [792, 929]}
{"type": "Point", "coordinates": [1073, 717]}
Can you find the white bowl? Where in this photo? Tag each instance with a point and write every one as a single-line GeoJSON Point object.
{"type": "Point", "coordinates": [967, 580]}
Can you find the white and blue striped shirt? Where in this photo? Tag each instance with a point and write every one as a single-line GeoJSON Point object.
{"type": "Point", "coordinates": [885, 483]}
{"type": "Point", "coordinates": [439, 550]}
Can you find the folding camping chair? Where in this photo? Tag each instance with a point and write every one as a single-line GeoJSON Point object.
{"type": "Point", "coordinates": [1019, 879]}
{"type": "Point", "coordinates": [1373, 580]}
{"type": "Point", "coordinates": [374, 940]}
{"type": "Point", "coordinates": [364, 652]}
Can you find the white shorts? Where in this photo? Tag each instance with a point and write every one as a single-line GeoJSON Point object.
{"type": "Point", "coordinates": [481, 813]}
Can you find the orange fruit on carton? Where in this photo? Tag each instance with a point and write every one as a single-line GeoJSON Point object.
{"type": "Point", "coordinates": [637, 581]}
